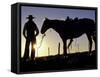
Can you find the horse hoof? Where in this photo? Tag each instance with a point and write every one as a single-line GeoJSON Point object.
{"type": "Point", "coordinates": [90, 54]}
{"type": "Point", "coordinates": [65, 57]}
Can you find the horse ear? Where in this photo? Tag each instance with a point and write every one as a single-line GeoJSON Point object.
{"type": "Point", "coordinates": [46, 18]}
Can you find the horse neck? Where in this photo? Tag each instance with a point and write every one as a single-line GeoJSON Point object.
{"type": "Point", "coordinates": [59, 27]}
{"type": "Point", "coordinates": [55, 25]}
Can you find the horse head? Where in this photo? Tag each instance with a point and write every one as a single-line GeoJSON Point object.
{"type": "Point", "coordinates": [45, 26]}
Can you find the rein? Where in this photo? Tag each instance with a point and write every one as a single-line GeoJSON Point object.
{"type": "Point", "coordinates": [41, 41]}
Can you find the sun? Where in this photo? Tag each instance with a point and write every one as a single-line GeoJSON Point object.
{"type": "Point", "coordinates": [34, 46]}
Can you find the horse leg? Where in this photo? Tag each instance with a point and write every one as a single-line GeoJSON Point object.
{"type": "Point", "coordinates": [64, 48]}
{"type": "Point", "coordinates": [90, 42]}
{"type": "Point", "coordinates": [94, 39]}
{"type": "Point", "coordinates": [71, 40]}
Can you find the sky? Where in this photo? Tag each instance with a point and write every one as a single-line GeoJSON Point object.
{"type": "Point", "coordinates": [52, 38]}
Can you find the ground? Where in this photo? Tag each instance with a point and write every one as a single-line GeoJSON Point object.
{"type": "Point", "coordinates": [58, 62]}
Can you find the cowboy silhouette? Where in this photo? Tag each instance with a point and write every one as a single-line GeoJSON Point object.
{"type": "Point", "coordinates": [30, 32]}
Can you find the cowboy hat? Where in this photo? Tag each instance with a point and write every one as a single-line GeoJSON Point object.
{"type": "Point", "coordinates": [30, 17]}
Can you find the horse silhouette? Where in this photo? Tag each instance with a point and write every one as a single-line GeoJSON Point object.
{"type": "Point", "coordinates": [83, 22]}
{"type": "Point", "coordinates": [70, 29]}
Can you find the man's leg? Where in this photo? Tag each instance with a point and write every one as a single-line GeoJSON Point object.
{"type": "Point", "coordinates": [32, 50]}
{"type": "Point", "coordinates": [26, 53]}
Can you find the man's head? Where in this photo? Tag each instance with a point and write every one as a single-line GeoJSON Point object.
{"type": "Point", "coordinates": [30, 17]}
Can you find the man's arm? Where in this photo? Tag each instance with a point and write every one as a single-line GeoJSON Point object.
{"type": "Point", "coordinates": [24, 29]}
{"type": "Point", "coordinates": [37, 31]}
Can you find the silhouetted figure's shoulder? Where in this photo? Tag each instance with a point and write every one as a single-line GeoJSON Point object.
{"type": "Point", "coordinates": [30, 23]}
